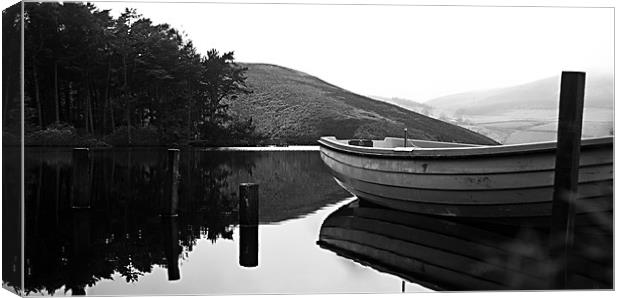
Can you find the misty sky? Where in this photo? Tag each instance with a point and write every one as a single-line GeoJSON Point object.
{"type": "Point", "coordinates": [415, 52]}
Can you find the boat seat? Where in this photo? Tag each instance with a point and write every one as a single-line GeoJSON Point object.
{"type": "Point", "coordinates": [361, 142]}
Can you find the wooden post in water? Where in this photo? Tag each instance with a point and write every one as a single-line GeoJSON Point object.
{"type": "Point", "coordinates": [171, 185]}
{"type": "Point", "coordinates": [405, 145]}
{"type": "Point", "coordinates": [566, 173]}
{"type": "Point", "coordinates": [248, 224]}
{"type": "Point", "coordinates": [248, 204]}
{"type": "Point", "coordinates": [81, 188]}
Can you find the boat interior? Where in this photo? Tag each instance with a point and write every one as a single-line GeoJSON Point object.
{"type": "Point", "coordinates": [392, 142]}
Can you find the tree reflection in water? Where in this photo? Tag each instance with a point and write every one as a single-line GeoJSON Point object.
{"type": "Point", "coordinates": [123, 232]}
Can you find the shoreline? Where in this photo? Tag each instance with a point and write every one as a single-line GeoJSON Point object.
{"type": "Point", "coordinates": [225, 148]}
{"type": "Point", "coordinates": [267, 148]}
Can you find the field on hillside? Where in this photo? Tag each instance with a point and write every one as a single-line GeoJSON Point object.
{"type": "Point", "coordinates": [528, 112]}
{"type": "Point", "coordinates": [523, 126]}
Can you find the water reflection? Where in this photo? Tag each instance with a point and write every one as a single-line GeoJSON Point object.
{"type": "Point", "coordinates": [12, 132]}
{"type": "Point", "coordinates": [11, 219]}
{"type": "Point", "coordinates": [447, 254]}
{"type": "Point", "coordinates": [119, 229]}
{"type": "Point", "coordinates": [171, 246]}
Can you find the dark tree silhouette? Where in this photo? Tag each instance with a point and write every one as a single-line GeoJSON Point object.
{"type": "Point", "coordinates": [123, 80]}
{"type": "Point", "coordinates": [220, 79]}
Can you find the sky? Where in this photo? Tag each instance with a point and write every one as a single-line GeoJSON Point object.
{"type": "Point", "coordinates": [414, 52]}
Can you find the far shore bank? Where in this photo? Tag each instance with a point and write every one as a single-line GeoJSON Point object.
{"type": "Point", "coordinates": [207, 148]}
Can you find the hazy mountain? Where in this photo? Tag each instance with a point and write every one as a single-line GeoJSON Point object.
{"type": "Point", "coordinates": [528, 112]}
{"type": "Point", "coordinates": [540, 94]}
{"type": "Point", "coordinates": [406, 103]}
{"type": "Point", "coordinates": [299, 108]}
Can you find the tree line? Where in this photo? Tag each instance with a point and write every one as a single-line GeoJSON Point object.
{"type": "Point", "coordinates": [124, 77]}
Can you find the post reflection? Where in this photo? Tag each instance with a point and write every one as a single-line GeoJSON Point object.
{"type": "Point", "coordinates": [248, 246]}
{"type": "Point", "coordinates": [171, 247]}
{"type": "Point", "coordinates": [82, 178]}
{"type": "Point", "coordinates": [80, 254]}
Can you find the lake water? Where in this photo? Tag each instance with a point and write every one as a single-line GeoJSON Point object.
{"type": "Point", "coordinates": [122, 245]}
{"type": "Point", "coordinates": [108, 233]}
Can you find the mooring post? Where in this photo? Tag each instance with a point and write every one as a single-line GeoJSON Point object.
{"type": "Point", "coordinates": [566, 173]}
{"type": "Point", "coordinates": [171, 185]}
{"type": "Point", "coordinates": [248, 224]}
{"type": "Point", "coordinates": [81, 188]}
{"type": "Point", "coordinates": [248, 204]}
{"type": "Point", "coordinates": [405, 145]}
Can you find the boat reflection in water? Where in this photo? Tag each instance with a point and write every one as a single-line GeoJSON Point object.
{"type": "Point", "coordinates": [455, 254]}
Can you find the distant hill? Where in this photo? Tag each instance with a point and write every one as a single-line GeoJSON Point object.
{"type": "Point", "coordinates": [540, 94]}
{"type": "Point", "coordinates": [528, 112]}
{"type": "Point", "coordinates": [406, 103]}
{"type": "Point", "coordinates": [299, 108]}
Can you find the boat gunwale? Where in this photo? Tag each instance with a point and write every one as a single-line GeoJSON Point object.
{"type": "Point", "coordinates": [454, 173]}
{"type": "Point", "coordinates": [484, 151]}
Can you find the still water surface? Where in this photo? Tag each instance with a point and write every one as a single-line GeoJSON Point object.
{"type": "Point", "coordinates": [121, 245]}
{"type": "Point", "coordinates": [110, 238]}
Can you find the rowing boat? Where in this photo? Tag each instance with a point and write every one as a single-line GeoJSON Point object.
{"type": "Point", "coordinates": [466, 180]}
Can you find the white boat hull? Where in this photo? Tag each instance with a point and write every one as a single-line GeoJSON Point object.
{"type": "Point", "coordinates": [470, 181]}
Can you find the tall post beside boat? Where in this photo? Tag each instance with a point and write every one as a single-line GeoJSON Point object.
{"type": "Point", "coordinates": [405, 142]}
{"type": "Point", "coordinates": [566, 172]}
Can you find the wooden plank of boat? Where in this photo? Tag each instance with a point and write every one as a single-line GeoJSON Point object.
{"type": "Point", "coordinates": [449, 254]}
{"type": "Point", "coordinates": [457, 180]}
{"type": "Point", "coordinates": [470, 197]}
{"type": "Point", "coordinates": [593, 204]}
{"type": "Point", "coordinates": [443, 181]}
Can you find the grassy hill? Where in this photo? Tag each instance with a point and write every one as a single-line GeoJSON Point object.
{"type": "Point", "coordinates": [296, 107]}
